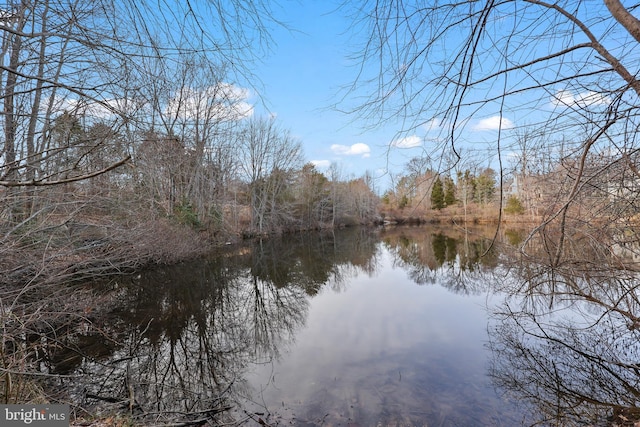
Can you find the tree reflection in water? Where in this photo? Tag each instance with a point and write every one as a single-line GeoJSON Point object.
{"type": "Point", "coordinates": [458, 259]}
{"type": "Point", "coordinates": [186, 334]}
{"type": "Point", "coordinates": [176, 344]}
{"type": "Point", "coordinates": [181, 338]}
{"type": "Point", "coordinates": [566, 339]}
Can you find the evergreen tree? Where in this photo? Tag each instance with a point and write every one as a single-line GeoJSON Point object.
{"type": "Point", "coordinates": [437, 195]}
{"type": "Point", "coordinates": [514, 206]}
{"type": "Point", "coordinates": [485, 186]}
{"type": "Point", "coordinates": [449, 191]}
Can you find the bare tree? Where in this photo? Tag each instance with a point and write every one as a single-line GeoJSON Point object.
{"type": "Point", "coordinates": [337, 198]}
{"type": "Point", "coordinates": [269, 156]}
{"type": "Point", "coordinates": [198, 108]}
{"type": "Point", "coordinates": [89, 59]}
{"type": "Point", "coordinates": [313, 197]}
{"type": "Point", "coordinates": [75, 108]}
{"type": "Point", "coordinates": [566, 68]}
{"type": "Point", "coordinates": [74, 86]}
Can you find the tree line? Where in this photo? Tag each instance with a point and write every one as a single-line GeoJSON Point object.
{"type": "Point", "coordinates": [420, 193]}
{"type": "Point", "coordinates": [531, 187]}
{"type": "Point", "coordinates": [240, 178]}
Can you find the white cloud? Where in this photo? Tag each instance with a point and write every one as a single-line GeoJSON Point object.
{"type": "Point", "coordinates": [563, 97]}
{"type": "Point", "coordinates": [321, 164]}
{"type": "Point", "coordinates": [411, 141]}
{"type": "Point", "coordinates": [221, 101]}
{"type": "Point", "coordinates": [493, 123]}
{"type": "Point", "coordinates": [358, 149]}
{"type": "Point", "coordinates": [584, 99]}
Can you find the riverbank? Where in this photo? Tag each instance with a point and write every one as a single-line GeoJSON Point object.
{"type": "Point", "coordinates": [457, 215]}
{"type": "Point", "coordinates": [93, 248]}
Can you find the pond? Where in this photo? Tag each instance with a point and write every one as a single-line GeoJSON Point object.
{"type": "Point", "coordinates": [370, 327]}
{"type": "Point", "coordinates": [376, 346]}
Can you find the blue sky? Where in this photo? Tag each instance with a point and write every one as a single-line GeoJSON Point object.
{"type": "Point", "coordinates": [304, 76]}
{"type": "Point", "coordinates": [309, 66]}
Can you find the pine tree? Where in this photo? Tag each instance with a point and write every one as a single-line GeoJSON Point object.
{"type": "Point", "coordinates": [449, 191]}
{"type": "Point", "coordinates": [514, 206]}
{"type": "Point", "coordinates": [437, 195]}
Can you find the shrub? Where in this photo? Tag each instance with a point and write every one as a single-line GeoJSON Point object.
{"type": "Point", "coordinates": [514, 206]}
{"type": "Point", "coordinates": [185, 214]}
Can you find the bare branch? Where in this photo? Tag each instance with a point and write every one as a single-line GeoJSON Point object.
{"type": "Point", "coordinates": [42, 183]}
{"type": "Point", "coordinates": [626, 19]}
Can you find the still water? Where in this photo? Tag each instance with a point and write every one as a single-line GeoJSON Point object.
{"type": "Point", "coordinates": [377, 347]}
{"type": "Point", "coordinates": [387, 327]}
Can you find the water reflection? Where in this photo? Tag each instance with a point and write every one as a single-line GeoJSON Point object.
{"type": "Point", "coordinates": [565, 339]}
{"type": "Point", "coordinates": [384, 351]}
{"type": "Point", "coordinates": [452, 257]}
{"type": "Point", "coordinates": [397, 326]}
{"type": "Point", "coordinates": [184, 336]}
{"type": "Point", "coordinates": [180, 339]}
